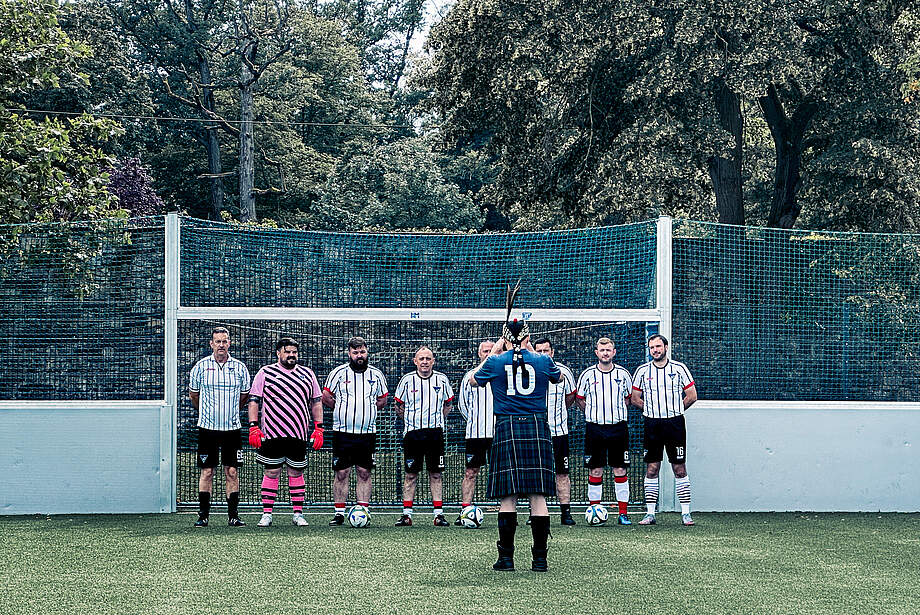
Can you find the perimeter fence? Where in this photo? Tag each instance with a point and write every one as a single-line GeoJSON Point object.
{"type": "Point", "coordinates": [757, 314]}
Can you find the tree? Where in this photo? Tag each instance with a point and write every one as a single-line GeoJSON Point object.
{"type": "Point", "coordinates": [50, 169]}
{"type": "Point", "coordinates": [621, 110]}
{"type": "Point", "coordinates": [394, 186]}
{"type": "Point", "coordinates": [131, 183]}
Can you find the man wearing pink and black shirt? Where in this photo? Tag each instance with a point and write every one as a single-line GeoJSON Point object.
{"type": "Point", "coordinates": [287, 394]}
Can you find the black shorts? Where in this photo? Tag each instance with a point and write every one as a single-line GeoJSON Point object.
{"type": "Point", "coordinates": [277, 452]}
{"type": "Point", "coordinates": [227, 443]}
{"type": "Point", "coordinates": [670, 434]}
{"type": "Point", "coordinates": [561, 454]}
{"type": "Point", "coordinates": [353, 449]}
{"type": "Point", "coordinates": [478, 452]}
{"type": "Point", "coordinates": [607, 445]}
{"type": "Point", "coordinates": [424, 445]}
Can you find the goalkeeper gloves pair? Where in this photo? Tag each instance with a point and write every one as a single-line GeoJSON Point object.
{"type": "Point", "coordinates": [256, 436]}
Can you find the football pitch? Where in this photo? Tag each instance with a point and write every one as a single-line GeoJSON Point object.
{"type": "Point", "coordinates": [728, 563]}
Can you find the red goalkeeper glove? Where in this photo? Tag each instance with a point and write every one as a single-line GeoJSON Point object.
{"type": "Point", "coordinates": [255, 436]}
{"type": "Point", "coordinates": [317, 436]}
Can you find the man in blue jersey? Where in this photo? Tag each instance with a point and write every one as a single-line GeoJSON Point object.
{"type": "Point", "coordinates": [522, 450]}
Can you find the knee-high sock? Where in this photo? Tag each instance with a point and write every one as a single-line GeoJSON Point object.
{"type": "Point", "coordinates": [651, 494]}
{"type": "Point", "coordinates": [233, 504]}
{"type": "Point", "coordinates": [269, 493]}
{"type": "Point", "coordinates": [204, 503]}
{"type": "Point", "coordinates": [621, 485]}
{"type": "Point", "coordinates": [539, 527]}
{"type": "Point", "coordinates": [507, 524]}
{"type": "Point", "coordinates": [682, 486]}
{"type": "Point", "coordinates": [595, 489]}
{"type": "Point", "coordinates": [296, 489]}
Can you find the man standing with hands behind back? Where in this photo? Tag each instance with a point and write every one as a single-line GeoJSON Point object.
{"type": "Point", "coordinates": [218, 389]}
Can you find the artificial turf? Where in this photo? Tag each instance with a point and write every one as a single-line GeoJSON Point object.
{"type": "Point", "coordinates": [727, 563]}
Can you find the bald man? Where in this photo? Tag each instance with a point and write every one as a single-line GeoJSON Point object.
{"type": "Point", "coordinates": [423, 400]}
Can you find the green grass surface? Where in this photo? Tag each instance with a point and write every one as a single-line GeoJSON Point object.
{"type": "Point", "coordinates": [728, 563]}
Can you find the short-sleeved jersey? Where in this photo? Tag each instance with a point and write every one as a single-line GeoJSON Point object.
{"type": "Point", "coordinates": [287, 396]}
{"type": "Point", "coordinates": [476, 406]}
{"type": "Point", "coordinates": [513, 394]}
{"type": "Point", "coordinates": [605, 394]}
{"type": "Point", "coordinates": [424, 399]}
{"type": "Point", "coordinates": [356, 395]}
{"type": "Point", "coordinates": [556, 409]}
{"type": "Point", "coordinates": [663, 388]}
{"type": "Point", "coordinates": [219, 387]}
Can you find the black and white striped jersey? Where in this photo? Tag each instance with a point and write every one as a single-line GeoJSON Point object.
{"type": "Point", "coordinates": [663, 388]}
{"type": "Point", "coordinates": [356, 395]}
{"type": "Point", "coordinates": [475, 404]}
{"type": "Point", "coordinates": [219, 387]}
{"type": "Point", "coordinates": [557, 411]}
{"type": "Point", "coordinates": [424, 400]}
{"type": "Point", "coordinates": [605, 394]}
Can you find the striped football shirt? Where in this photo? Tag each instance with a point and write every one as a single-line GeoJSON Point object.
{"type": "Point", "coordinates": [424, 400]}
{"type": "Point", "coordinates": [557, 411]}
{"type": "Point", "coordinates": [286, 399]}
{"type": "Point", "coordinates": [605, 394]}
{"type": "Point", "coordinates": [356, 395]}
{"type": "Point", "coordinates": [663, 388]}
{"type": "Point", "coordinates": [475, 404]}
{"type": "Point", "coordinates": [219, 387]}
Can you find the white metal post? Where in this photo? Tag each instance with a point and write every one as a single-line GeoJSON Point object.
{"type": "Point", "coordinates": [171, 380]}
{"type": "Point", "coordinates": [664, 272]}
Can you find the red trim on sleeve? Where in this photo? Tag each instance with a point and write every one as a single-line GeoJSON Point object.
{"type": "Point", "coordinates": [635, 388]}
{"type": "Point", "coordinates": [396, 399]}
{"type": "Point", "coordinates": [688, 386]}
{"type": "Point", "coordinates": [451, 398]}
{"type": "Point", "coordinates": [327, 389]}
{"type": "Point", "coordinates": [579, 396]}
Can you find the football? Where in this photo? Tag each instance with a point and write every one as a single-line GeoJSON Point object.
{"type": "Point", "coordinates": [596, 514]}
{"type": "Point", "coordinates": [471, 517]}
{"type": "Point", "coordinates": [359, 516]}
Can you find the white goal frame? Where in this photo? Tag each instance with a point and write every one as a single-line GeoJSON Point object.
{"type": "Point", "coordinates": [660, 314]}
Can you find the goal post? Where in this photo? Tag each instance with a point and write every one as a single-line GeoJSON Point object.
{"type": "Point", "coordinates": [431, 310]}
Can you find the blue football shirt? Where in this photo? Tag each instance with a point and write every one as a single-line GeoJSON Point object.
{"type": "Point", "coordinates": [512, 394]}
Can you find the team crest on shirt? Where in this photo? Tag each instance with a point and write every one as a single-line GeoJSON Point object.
{"type": "Point", "coordinates": [436, 389]}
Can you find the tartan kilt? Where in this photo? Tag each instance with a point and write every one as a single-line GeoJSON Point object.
{"type": "Point", "coordinates": [522, 457]}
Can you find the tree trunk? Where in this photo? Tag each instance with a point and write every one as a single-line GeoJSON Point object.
{"type": "Point", "coordinates": [788, 135]}
{"type": "Point", "coordinates": [247, 169]}
{"type": "Point", "coordinates": [212, 144]}
{"type": "Point", "coordinates": [726, 171]}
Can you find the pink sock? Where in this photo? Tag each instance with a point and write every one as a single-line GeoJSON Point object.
{"type": "Point", "coordinates": [269, 493]}
{"type": "Point", "coordinates": [296, 489]}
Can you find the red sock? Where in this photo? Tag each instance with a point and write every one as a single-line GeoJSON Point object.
{"type": "Point", "coordinates": [622, 489]}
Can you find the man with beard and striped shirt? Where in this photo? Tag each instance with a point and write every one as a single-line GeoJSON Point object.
{"type": "Point", "coordinates": [423, 400]}
{"type": "Point", "coordinates": [603, 393]}
{"type": "Point", "coordinates": [286, 394]}
{"type": "Point", "coordinates": [218, 388]}
{"type": "Point", "coordinates": [355, 391]}
{"type": "Point", "coordinates": [664, 389]}
{"type": "Point", "coordinates": [559, 397]}
{"type": "Point", "coordinates": [475, 404]}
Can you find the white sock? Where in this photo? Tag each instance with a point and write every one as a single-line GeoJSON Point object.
{"type": "Point", "coordinates": [651, 494]}
{"type": "Point", "coordinates": [683, 494]}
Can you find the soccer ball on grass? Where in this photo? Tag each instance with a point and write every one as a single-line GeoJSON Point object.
{"type": "Point", "coordinates": [596, 514]}
{"type": "Point", "coordinates": [359, 516]}
{"type": "Point", "coordinates": [471, 517]}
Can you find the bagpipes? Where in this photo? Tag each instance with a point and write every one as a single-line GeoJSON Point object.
{"type": "Point", "coordinates": [515, 332]}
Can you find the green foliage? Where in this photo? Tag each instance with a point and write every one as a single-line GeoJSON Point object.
{"type": "Point", "coordinates": [606, 113]}
{"type": "Point", "coordinates": [395, 186]}
{"type": "Point", "coordinates": [50, 169]}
